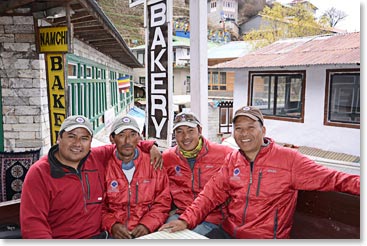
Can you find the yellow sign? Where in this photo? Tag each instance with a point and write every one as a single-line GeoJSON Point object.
{"type": "Point", "coordinates": [53, 39]}
{"type": "Point", "coordinates": [56, 93]}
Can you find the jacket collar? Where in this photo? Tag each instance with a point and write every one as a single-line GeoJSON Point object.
{"type": "Point", "coordinates": [268, 142]}
{"type": "Point", "coordinates": [59, 170]}
{"type": "Point", "coordinates": [204, 150]}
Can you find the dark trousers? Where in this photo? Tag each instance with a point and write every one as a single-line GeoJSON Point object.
{"type": "Point", "coordinates": [102, 235]}
{"type": "Point", "coordinates": [218, 233]}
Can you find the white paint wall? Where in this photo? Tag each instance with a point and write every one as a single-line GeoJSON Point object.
{"type": "Point", "coordinates": [313, 132]}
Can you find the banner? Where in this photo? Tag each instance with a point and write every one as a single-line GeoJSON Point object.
{"type": "Point", "coordinates": [124, 83]}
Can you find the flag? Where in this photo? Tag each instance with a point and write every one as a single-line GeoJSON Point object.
{"type": "Point", "coordinates": [124, 83]}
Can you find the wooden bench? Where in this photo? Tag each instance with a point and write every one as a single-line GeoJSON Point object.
{"type": "Point", "coordinates": [9, 219]}
{"type": "Point", "coordinates": [326, 215]}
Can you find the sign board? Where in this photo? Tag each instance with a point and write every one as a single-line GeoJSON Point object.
{"type": "Point", "coordinates": [53, 39]}
{"type": "Point", "coordinates": [56, 93]}
{"type": "Point", "coordinates": [159, 69]}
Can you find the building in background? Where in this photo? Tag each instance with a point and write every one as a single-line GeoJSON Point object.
{"type": "Point", "coordinates": [98, 57]}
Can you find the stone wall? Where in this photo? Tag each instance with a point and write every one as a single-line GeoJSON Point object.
{"type": "Point", "coordinates": [23, 86]}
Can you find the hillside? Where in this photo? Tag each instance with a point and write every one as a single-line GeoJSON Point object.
{"type": "Point", "coordinates": [130, 21]}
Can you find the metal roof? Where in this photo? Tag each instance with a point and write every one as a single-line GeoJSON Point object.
{"type": "Point", "coordinates": [232, 49]}
{"type": "Point", "coordinates": [317, 50]}
{"type": "Point", "coordinates": [90, 24]}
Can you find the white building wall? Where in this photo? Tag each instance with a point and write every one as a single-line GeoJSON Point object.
{"type": "Point", "coordinates": [313, 132]}
{"type": "Point", "coordinates": [180, 83]}
{"type": "Point", "coordinates": [181, 53]}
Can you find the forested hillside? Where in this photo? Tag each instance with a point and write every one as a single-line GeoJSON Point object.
{"type": "Point", "coordinates": [130, 21]}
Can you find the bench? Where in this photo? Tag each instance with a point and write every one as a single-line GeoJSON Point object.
{"type": "Point", "coordinates": [326, 215]}
{"type": "Point", "coordinates": [9, 219]}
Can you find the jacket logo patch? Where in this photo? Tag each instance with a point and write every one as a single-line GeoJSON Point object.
{"type": "Point", "coordinates": [236, 172]}
{"type": "Point", "coordinates": [178, 170]}
{"type": "Point", "coordinates": [146, 181]}
{"type": "Point", "coordinates": [209, 166]}
{"type": "Point", "coordinates": [114, 186]}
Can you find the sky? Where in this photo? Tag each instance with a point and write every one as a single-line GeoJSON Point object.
{"type": "Point", "coordinates": [351, 7]}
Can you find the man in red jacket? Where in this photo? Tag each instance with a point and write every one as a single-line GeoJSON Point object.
{"type": "Point", "coordinates": [137, 198]}
{"type": "Point", "coordinates": [62, 192]}
{"type": "Point", "coordinates": [190, 165]}
{"type": "Point", "coordinates": [262, 179]}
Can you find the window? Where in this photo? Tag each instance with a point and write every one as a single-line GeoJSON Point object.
{"type": "Point", "coordinates": [98, 73]}
{"type": "Point", "coordinates": [188, 84]}
{"type": "Point", "coordinates": [279, 95]}
{"type": "Point", "coordinates": [218, 81]}
{"type": "Point", "coordinates": [141, 57]}
{"type": "Point", "coordinates": [142, 80]}
{"type": "Point", "coordinates": [343, 98]}
{"type": "Point", "coordinates": [72, 70]}
{"type": "Point", "coordinates": [225, 116]}
{"type": "Point", "coordinates": [88, 73]}
{"type": "Point", "coordinates": [82, 75]}
{"type": "Point", "coordinates": [213, 5]}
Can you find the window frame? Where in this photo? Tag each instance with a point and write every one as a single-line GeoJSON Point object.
{"type": "Point", "coordinates": [329, 73]}
{"type": "Point", "coordinates": [219, 84]}
{"type": "Point", "coordinates": [228, 107]}
{"type": "Point", "coordinates": [75, 69]}
{"type": "Point", "coordinates": [278, 73]}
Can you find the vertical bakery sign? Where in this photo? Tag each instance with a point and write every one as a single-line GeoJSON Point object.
{"type": "Point", "coordinates": [54, 42]}
{"type": "Point", "coordinates": [159, 69]}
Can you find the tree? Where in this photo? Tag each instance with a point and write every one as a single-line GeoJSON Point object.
{"type": "Point", "coordinates": [333, 16]}
{"type": "Point", "coordinates": [279, 22]}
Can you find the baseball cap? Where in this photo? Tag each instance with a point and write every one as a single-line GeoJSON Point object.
{"type": "Point", "coordinates": [123, 123]}
{"type": "Point", "coordinates": [76, 121]}
{"type": "Point", "coordinates": [251, 112]}
{"type": "Point", "coordinates": [185, 119]}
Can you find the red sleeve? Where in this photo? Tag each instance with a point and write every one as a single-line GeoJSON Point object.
{"type": "Point", "coordinates": [308, 175]}
{"type": "Point", "coordinates": [34, 206]}
{"type": "Point", "coordinates": [146, 145]}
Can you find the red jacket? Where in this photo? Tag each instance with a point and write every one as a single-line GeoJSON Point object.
{"type": "Point", "coordinates": [185, 184]}
{"type": "Point", "coordinates": [58, 202]}
{"type": "Point", "coordinates": [264, 200]}
{"type": "Point", "coordinates": [146, 200]}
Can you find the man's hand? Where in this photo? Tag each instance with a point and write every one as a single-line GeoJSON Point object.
{"type": "Point", "coordinates": [119, 231]}
{"type": "Point", "coordinates": [156, 157]}
{"type": "Point", "coordinates": [139, 231]}
{"type": "Point", "coordinates": [173, 226]}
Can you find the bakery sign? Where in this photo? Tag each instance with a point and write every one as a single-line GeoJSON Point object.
{"type": "Point", "coordinates": [159, 70]}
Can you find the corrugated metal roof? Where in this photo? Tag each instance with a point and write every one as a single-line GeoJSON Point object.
{"type": "Point", "coordinates": [317, 50]}
{"type": "Point", "coordinates": [230, 50]}
{"type": "Point", "coordinates": [328, 154]}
